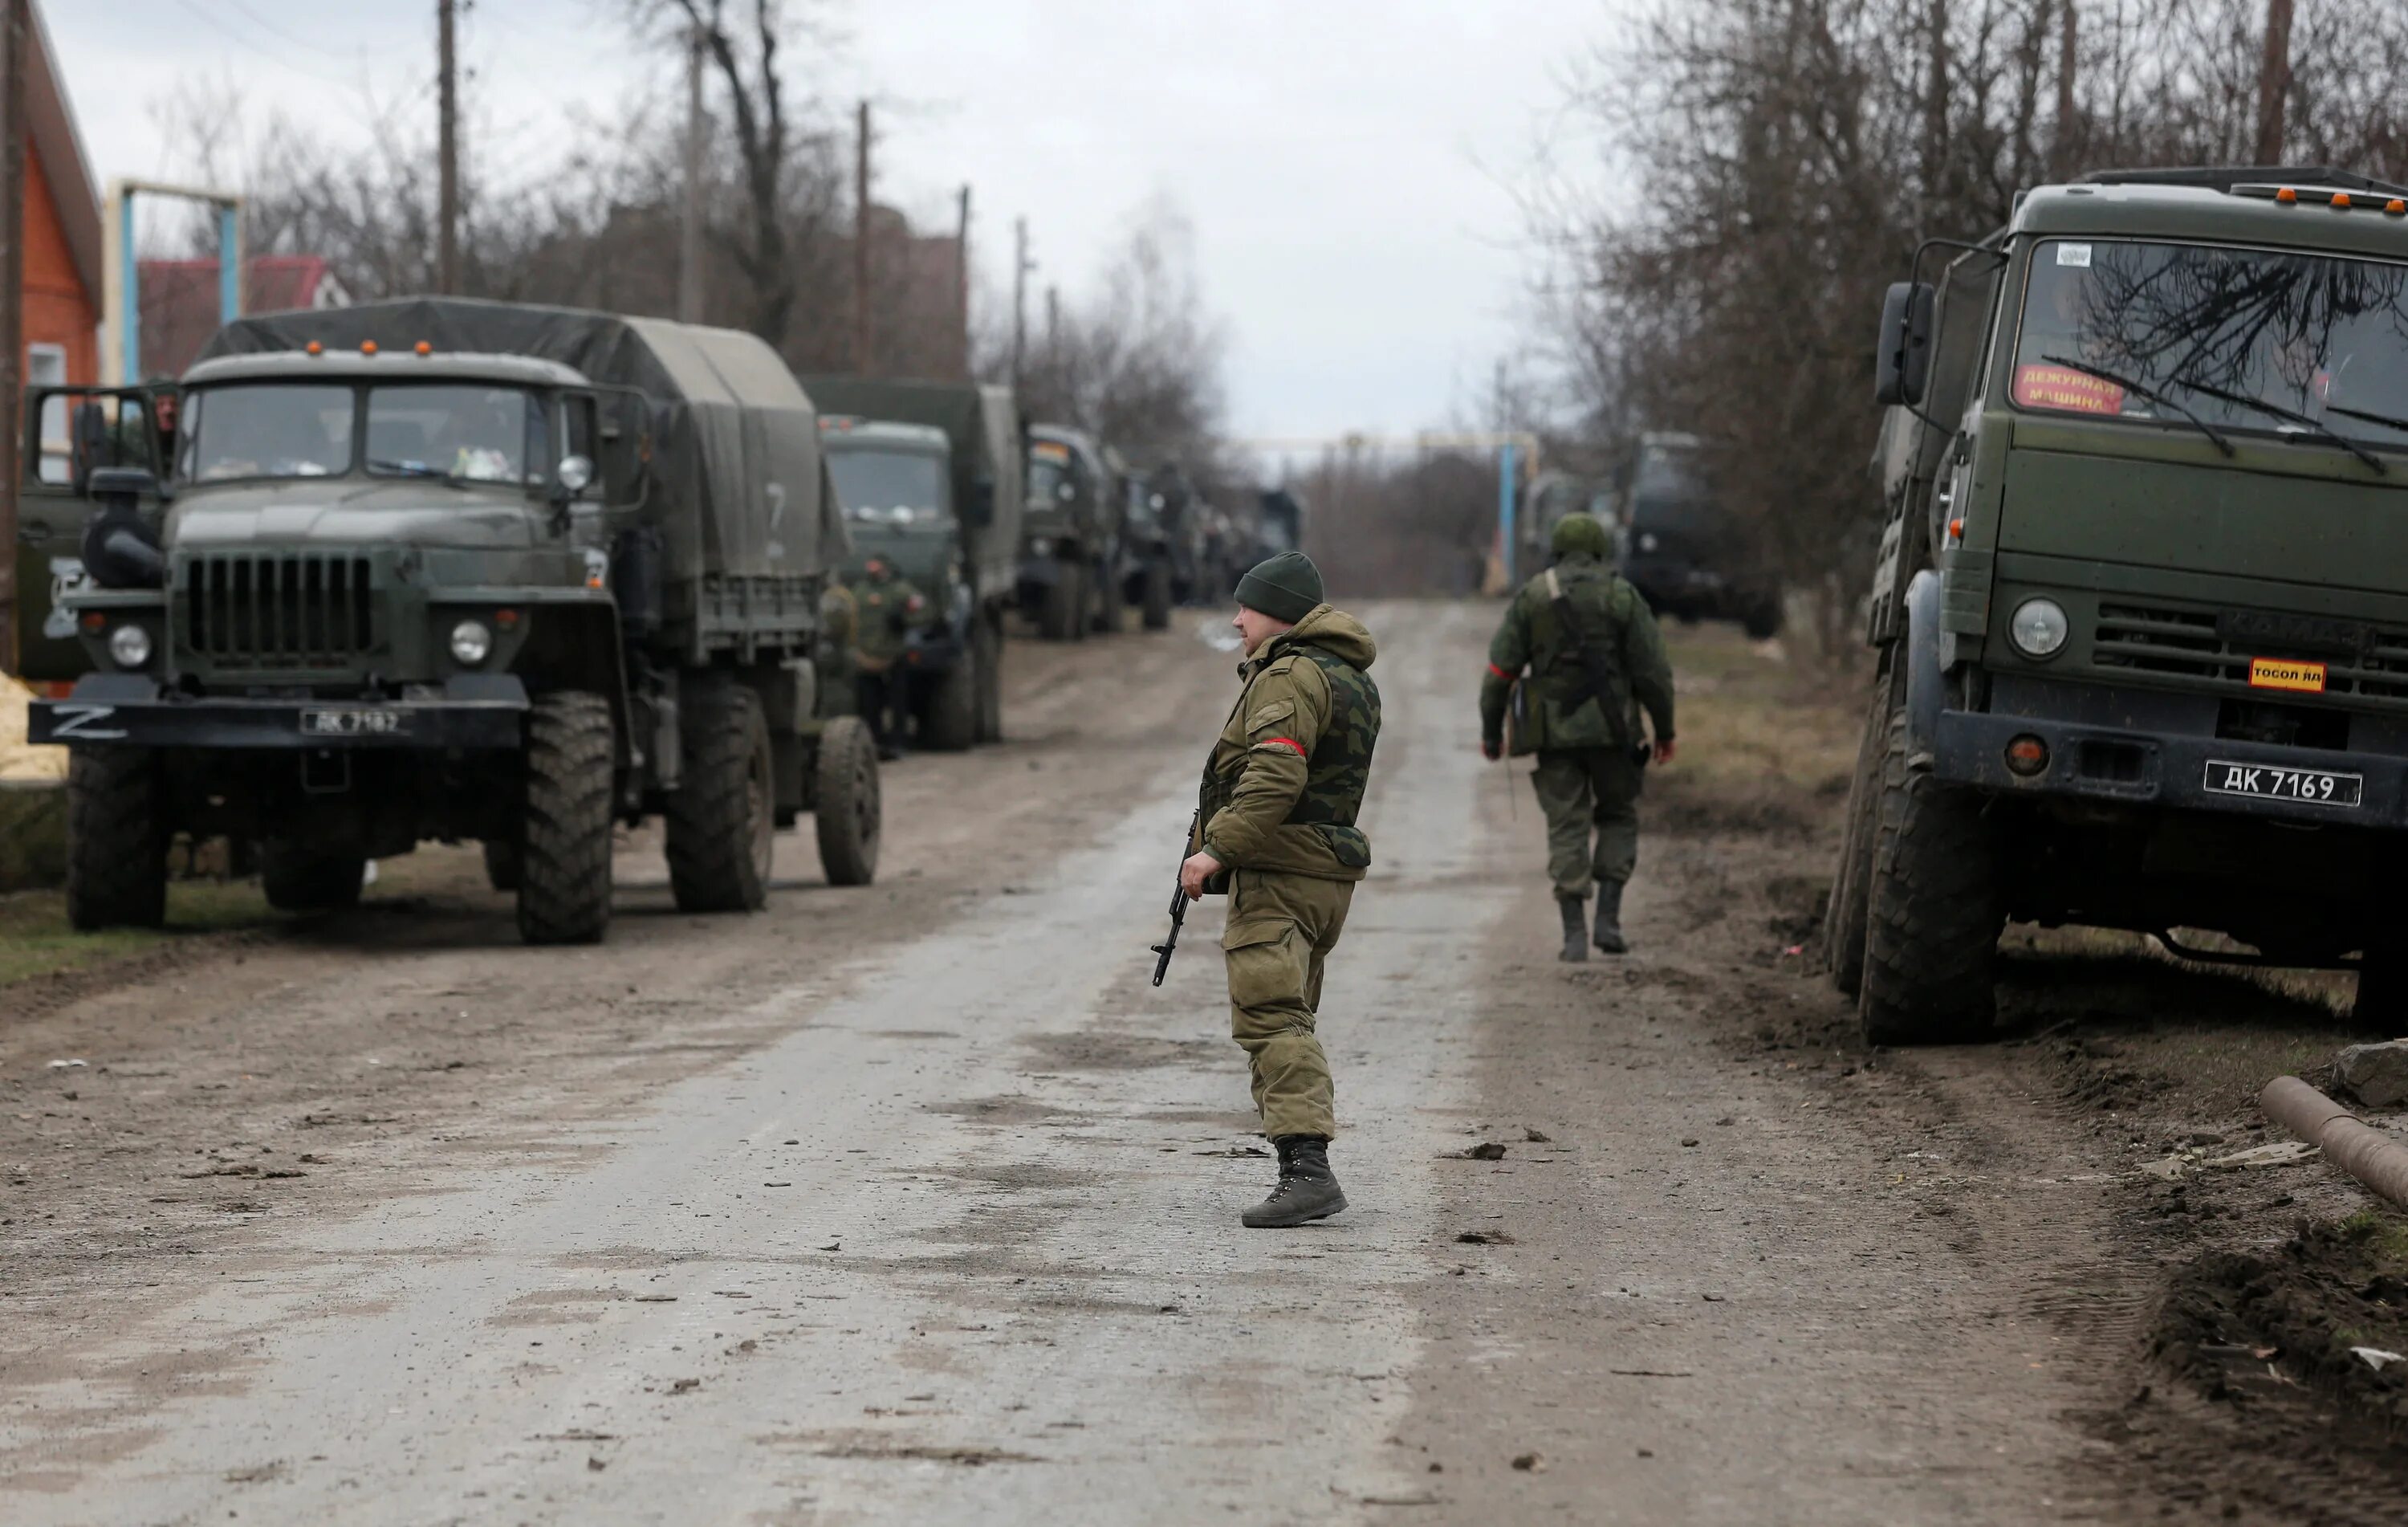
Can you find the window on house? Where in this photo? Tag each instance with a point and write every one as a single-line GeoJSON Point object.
{"type": "Point", "coordinates": [46, 366]}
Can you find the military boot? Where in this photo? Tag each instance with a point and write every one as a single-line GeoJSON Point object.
{"type": "Point", "coordinates": [1307, 1189]}
{"type": "Point", "coordinates": [1575, 931]}
{"type": "Point", "coordinates": [1608, 918]}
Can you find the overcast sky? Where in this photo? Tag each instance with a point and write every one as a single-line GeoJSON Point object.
{"type": "Point", "coordinates": [1349, 166]}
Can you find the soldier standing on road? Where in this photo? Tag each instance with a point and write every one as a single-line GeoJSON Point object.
{"type": "Point", "coordinates": [1276, 829]}
{"type": "Point", "coordinates": [884, 606]}
{"type": "Point", "coordinates": [1591, 756]}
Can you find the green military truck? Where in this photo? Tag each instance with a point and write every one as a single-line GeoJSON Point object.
{"type": "Point", "coordinates": [451, 570]}
{"type": "Point", "coordinates": [2142, 598]}
{"type": "Point", "coordinates": [1070, 538]}
{"type": "Point", "coordinates": [929, 475]}
{"type": "Point", "coordinates": [1150, 552]}
{"type": "Point", "coordinates": [1682, 547]}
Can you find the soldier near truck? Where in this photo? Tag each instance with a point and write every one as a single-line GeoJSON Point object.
{"type": "Point", "coordinates": [471, 570]}
{"type": "Point", "coordinates": [1593, 660]}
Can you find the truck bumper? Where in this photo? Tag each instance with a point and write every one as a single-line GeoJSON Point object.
{"type": "Point", "coordinates": [484, 712]}
{"type": "Point", "coordinates": [2145, 769]}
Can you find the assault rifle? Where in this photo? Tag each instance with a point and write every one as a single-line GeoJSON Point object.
{"type": "Point", "coordinates": [1178, 906]}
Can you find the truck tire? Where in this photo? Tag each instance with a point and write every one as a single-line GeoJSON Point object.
{"type": "Point", "coordinates": [723, 815]}
{"type": "Point", "coordinates": [1108, 599]}
{"type": "Point", "coordinates": [1761, 616]}
{"type": "Point", "coordinates": [564, 834]}
{"type": "Point", "coordinates": [1157, 596]}
{"type": "Point", "coordinates": [1844, 914]}
{"type": "Point", "coordinates": [116, 838]}
{"type": "Point", "coordinates": [2381, 1005]}
{"type": "Point", "coordinates": [989, 647]}
{"type": "Point", "coordinates": [1061, 617]}
{"type": "Point", "coordinates": [848, 810]}
{"type": "Point", "coordinates": [502, 868]}
{"type": "Point", "coordinates": [1933, 914]}
{"type": "Point", "coordinates": [949, 721]}
{"type": "Point", "coordinates": [298, 880]}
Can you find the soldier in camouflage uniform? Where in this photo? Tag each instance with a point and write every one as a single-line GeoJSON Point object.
{"type": "Point", "coordinates": [1276, 829]}
{"type": "Point", "coordinates": [1590, 761]}
{"type": "Point", "coordinates": [885, 606]}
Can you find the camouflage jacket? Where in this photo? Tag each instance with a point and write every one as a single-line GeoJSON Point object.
{"type": "Point", "coordinates": [884, 615]}
{"type": "Point", "coordinates": [1561, 712]}
{"type": "Point", "coordinates": [1286, 781]}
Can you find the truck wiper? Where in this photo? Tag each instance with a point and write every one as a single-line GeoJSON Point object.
{"type": "Point", "coordinates": [419, 468]}
{"type": "Point", "coordinates": [2276, 411]}
{"type": "Point", "coordinates": [2137, 390]}
{"type": "Point", "coordinates": [2386, 420]}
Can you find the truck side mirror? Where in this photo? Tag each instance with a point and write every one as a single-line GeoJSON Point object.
{"type": "Point", "coordinates": [980, 511]}
{"type": "Point", "coordinates": [1902, 365]}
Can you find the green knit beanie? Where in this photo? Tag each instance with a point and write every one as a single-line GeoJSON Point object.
{"type": "Point", "coordinates": [1285, 588]}
{"type": "Point", "coordinates": [1581, 533]}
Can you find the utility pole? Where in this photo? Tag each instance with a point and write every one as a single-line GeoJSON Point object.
{"type": "Point", "coordinates": [447, 152]}
{"type": "Point", "coordinates": [2273, 81]}
{"type": "Point", "coordinates": [1052, 326]}
{"type": "Point", "coordinates": [689, 289]}
{"type": "Point", "coordinates": [861, 356]}
{"type": "Point", "coordinates": [14, 41]}
{"type": "Point", "coordinates": [1020, 266]}
{"type": "Point", "coordinates": [962, 263]}
{"type": "Point", "coordinates": [2067, 52]}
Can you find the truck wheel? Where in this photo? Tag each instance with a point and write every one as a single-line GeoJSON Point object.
{"type": "Point", "coordinates": [1061, 617]}
{"type": "Point", "coordinates": [1157, 596]}
{"type": "Point", "coordinates": [1108, 600]}
{"type": "Point", "coordinates": [116, 838]}
{"type": "Point", "coordinates": [1933, 915]}
{"type": "Point", "coordinates": [2382, 1004]}
{"type": "Point", "coordinates": [1761, 618]}
{"type": "Point", "coordinates": [1844, 914]}
{"type": "Point", "coordinates": [848, 809]}
{"type": "Point", "coordinates": [565, 840]}
{"type": "Point", "coordinates": [949, 722]}
{"type": "Point", "coordinates": [298, 880]}
{"type": "Point", "coordinates": [502, 869]}
{"type": "Point", "coordinates": [988, 646]}
{"type": "Point", "coordinates": [721, 819]}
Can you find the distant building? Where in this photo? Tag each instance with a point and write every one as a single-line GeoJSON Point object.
{"type": "Point", "coordinates": [60, 302]}
{"type": "Point", "coordinates": [179, 301]}
{"type": "Point", "coordinates": [915, 299]}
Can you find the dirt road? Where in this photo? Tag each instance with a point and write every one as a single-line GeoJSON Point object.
{"type": "Point", "coordinates": [918, 1204]}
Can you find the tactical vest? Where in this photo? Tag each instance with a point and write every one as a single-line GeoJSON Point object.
{"type": "Point", "coordinates": [1340, 770]}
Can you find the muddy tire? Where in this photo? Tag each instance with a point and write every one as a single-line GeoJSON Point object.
{"type": "Point", "coordinates": [1761, 618]}
{"type": "Point", "coordinates": [116, 838]}
{"type": "Point", "coordinates": [949, 721]}
{"type": "Point", "coordinates": [1933, 914]}
{"type": "Point", "coordinates": [721, 817]}
{"type": "Point", "coordinates": [1063, 615]}
{"type": "Point", "coordinates": [847, 811]}
{"type": "Point", "coordinates": [502, 868]}
{"type": "Point", "coordinates": [2382, 1003]}
{"type": "Point", "coordinates": [987, 644]}
{"type": "Point", "coordinates": [296, 880]}
{"type": "Point", "coordinates": [1844, 915]}
{"type": "Point", "coordinates": [1108, 600]}
{"type": "Point", "coordinates": [565, 830]}
{"type": "Point", "coordinates": [1157, 596]}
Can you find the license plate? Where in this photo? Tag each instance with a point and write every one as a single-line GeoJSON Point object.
{"type": "Point", "coordinates": [2265, 782]}
{"type": "Point", "coordinates": [356, 721]}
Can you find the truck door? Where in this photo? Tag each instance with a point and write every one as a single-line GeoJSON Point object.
{"type": "Point", "coordinates": [69, 434]}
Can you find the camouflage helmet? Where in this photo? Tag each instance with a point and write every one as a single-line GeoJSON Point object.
{"type": "Point", "coordinates": [1576, 533]}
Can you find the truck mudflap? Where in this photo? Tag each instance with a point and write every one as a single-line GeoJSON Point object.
{"type": "Point", "coordinates": [482, 711]}
{"type": "Point", "coordinates": [2181, 772]}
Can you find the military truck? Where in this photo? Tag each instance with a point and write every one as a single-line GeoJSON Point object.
{"type": "Point", "coordinates": [1152, 552]}
{"type": "Point", "coordinates": [929, 476]}
{"type": "Point", "coordinates": [2142, 603]}
{"type": "Point", "coordinates": [455, 570]}
{"type": "Point", "coordinates": [1070, 539]}
{"type": "Point", "coordinates": [1682, 548]}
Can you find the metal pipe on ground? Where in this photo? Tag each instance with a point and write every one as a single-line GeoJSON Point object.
{"type": "Point", "coordinates": [2374, 1157]}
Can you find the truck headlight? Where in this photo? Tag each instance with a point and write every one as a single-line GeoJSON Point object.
{"type": "Point", "coordinates": [1647, 541]}
{"type": "Point", "coordinates": [1041, 547]}
{"type": "Point", "coordinates": [2039, 628]}
{"type": "Point", "coordinates": [129, 645]}
{"type": "Point", "coordinates": [471, 643]}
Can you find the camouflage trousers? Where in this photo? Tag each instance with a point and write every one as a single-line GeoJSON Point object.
{"type": "Point", "coordinates": [1281, 927]}
{"type": "Point", "coordinates": [1590, 793]}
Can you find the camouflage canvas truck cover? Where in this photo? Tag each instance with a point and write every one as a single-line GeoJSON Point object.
{"type": "Point", "coordinates": [2142, 598]}
{"type": "Point", "coordinates": [452, 569]}
{"type": "Point", "coordinates": [957, 538]}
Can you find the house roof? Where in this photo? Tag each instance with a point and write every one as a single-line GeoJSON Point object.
{"type": "Point", "coordinates": [50, 126]}
{"type": "Point", "coordinates": [178, 301]}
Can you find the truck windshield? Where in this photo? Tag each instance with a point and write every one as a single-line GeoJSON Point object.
{"type": "Point", "coordinates": [2302, 345]}
{"type": "Point", "coordinates": [469, 431]}
{"type": "Point", "coordinates": [266, 429]}
{"type": "Point", "coordinates": [1049, 480]}
{"type": "Point", "coordinates": [1666, 492]}
{"type": "Point", "coordinates": [888, 488]}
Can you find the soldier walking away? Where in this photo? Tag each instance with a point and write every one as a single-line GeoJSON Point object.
{"type": "Point", "coordinates": [1276, 829]}
{"type": "Point", "coordinates": [884, 606]}
{"type": "Point", "coordinates": [1586, 636]}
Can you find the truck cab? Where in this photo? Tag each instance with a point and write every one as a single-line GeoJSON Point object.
{"type": "Point", "coordinates": [2143, 607]}
{"type": "Point", "coordinates": [1070, 547]}
{"type": "Point", "coordinates": [1680, 546]}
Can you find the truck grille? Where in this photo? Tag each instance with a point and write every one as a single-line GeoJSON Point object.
{"type": "Point", "coordinates": [2168, 639]}
{"type": "Point", "coordinates": [277, 611]}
